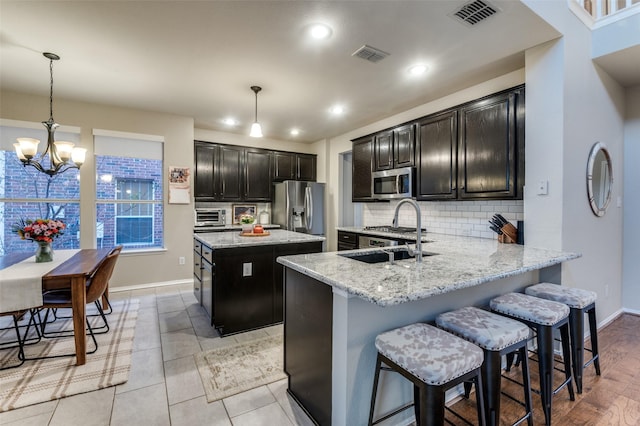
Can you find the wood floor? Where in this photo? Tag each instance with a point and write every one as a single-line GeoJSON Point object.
{"type": "Point", "coordinates": [610, 399]}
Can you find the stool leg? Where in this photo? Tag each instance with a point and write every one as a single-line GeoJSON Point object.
{"type": "Point", "coordinates": [566, 355]}
{"type": "Point", "coordinates": [491, 382]}
{"type": "Point", "coordinates": [545, 365]}
{"type": "Point", "coordinates": [576, 329]}
{"type": "Point", "coordinates": [526, 381]}
{"type": "Point", "coordinates": [431, 405]}
{"type": "Point", "coordinates": [375, 389]}
{"type": "Point", "coordinates": [593, 329]}
{"type": "Point", "coordinates": [480, 399]}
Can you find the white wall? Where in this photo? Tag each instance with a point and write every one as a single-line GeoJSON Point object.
{"type": "Point", "coordinates": [572, 104]}
{"type": "Point", "coordinates": [631, 234]}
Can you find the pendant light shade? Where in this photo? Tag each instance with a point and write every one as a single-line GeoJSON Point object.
{"type": "Point", "coordinates": [256, 129]}
{"type": "Point", "coordinates": [62, 156]}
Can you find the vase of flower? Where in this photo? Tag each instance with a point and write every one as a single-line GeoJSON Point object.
{"type": "Point", "coordinates": [42, 232]}
{"type": "Point", "coordinates": [247, 220]}
{"type": "Point", "coordinates": [44, 253]}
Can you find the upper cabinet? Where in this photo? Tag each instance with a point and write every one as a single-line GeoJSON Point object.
{"type": "Point", "coordinates": [394, 148]}
{"type": "Point", "coordinates": [404, 146]}
{"type": "Point", "coordinates": [293, 166]}
{"type": "Point", "coordinates": [362, 166]}
{"type": "Point", "coordinates": [236, 173]}
{"type": "Point", "coordinates": [487, 147]}
{"type": "Point", "coordinates": [436, 156]}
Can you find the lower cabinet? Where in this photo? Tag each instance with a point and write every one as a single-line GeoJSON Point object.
{"type": "Point", "coordinates": [347, 240]}
{"type": "Point", "coordinates": [242, 288]}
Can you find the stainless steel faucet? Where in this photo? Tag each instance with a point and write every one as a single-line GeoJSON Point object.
{"type": "Point", "coordinates": [418, 252]}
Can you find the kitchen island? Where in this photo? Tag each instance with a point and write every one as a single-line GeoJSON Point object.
{"type": "Point", "coordinates": [337, 305]}
{"type": "Point", "coordinates": [237, 280]}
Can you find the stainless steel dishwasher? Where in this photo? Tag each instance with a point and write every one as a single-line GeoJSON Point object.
{"type": "Point", "coordinates": [368, 241]}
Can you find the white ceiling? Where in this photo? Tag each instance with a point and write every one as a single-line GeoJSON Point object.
{"type": "Point", "coordinates": [198, 59]}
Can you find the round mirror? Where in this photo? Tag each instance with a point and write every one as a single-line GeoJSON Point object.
{"type": "Point", "coordinates": [599, 179]}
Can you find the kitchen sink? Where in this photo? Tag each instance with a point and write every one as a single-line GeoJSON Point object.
{"type": "Point", "coordinates": [381, 256]}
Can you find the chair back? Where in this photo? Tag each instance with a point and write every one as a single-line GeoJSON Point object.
{"type": "Point", "coordinates": [100, 280]}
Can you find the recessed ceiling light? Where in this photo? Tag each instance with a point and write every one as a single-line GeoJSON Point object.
{"type": "Point", "coordinates": [320, 31]}
{"type": "Point", "coordinates": [337, 109]}
{"type": "Point", "coordinates": [418, 69]}
{"type": "Point", "coordinates": [229, 121]}
{"type": "Point", "coordinates": [294, 132]}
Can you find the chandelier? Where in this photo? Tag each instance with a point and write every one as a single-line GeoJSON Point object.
{"type": "Point", "coordinates": [62, 155]}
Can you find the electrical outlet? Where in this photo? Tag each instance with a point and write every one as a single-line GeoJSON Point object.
{"type": "Point", "coordinates": [543, 187]}
{"type": "Point", "coordinates": [247, 269]}
{"type": "Point", "coordinates": [181, 260]}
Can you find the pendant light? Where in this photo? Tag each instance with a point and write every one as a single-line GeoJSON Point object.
{"type": "Point", "coordinates": [256, 130]}
{"type": "Point", "coordinates": [62, 155]}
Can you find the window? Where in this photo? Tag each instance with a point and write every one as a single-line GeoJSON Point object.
{"type": "Point", "coordinates": [129, 190]}
{"type": "Point", "coordinates": [26, 193]}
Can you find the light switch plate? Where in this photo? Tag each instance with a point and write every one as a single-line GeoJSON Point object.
{"type": "Point", "coordinates": [543, 187]}
{"type": "Point", "coordinates": [247, 269]}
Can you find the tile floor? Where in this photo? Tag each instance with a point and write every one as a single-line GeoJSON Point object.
{"type": "Point", "coordinates": [164, 386]}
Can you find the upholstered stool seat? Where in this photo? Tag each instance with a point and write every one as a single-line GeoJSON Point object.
{"type": "Point", "coordinates": [544, 316]}
{"type": "Point", "coordinates": [434, 361]}
{"type": "Point", "coordinates": [580, 302]}
{"type": "Point", "coordinates": [497, 336]}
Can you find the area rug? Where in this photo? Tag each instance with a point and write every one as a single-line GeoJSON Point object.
{"type": "Point", "coordinates": [233, 369]}
{"type": "Point", "coordinates": [44, 380]}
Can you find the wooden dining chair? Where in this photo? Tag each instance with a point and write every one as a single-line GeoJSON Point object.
{"type": "Point", "coordinates": [103, 300]}
{"type": "Point", "coordinates": [61, 298]}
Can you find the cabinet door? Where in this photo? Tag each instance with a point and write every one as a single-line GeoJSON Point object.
{"type": "Point", "coordinates": [208, 273]}
{"type": "Point", "coordinates": [278, 272]}
{"type": "Point", "coordinates": [436, 157]}
{"type": "Point", "coordinates": [257, 178]}
{"type": "Point", "coordinates": [231, 167]}
{"type": "Point", "coordinates": [486, 149]}
{"type": "Point", "coordinates": [306, 167]}
{"type": "Point", "coordinates": [347, 240]}
{"type": "Point", "coordinates": [383, 149]}
{"type": "Point", "coordinates": [362, 151]}
{"type": "Point", "coordinates": [243, 293]}
{"type": "Point", "coordinates": [206, 185]}
{"type": "Point", "coordinates": [403, 146]}
{"type": "Point", "coordinates": [284, 166]}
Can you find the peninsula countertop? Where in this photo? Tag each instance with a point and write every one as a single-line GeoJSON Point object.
{"type": "Point", "coordinates": [233, 239]}
{"type": "Point", "coordinates": [457, 263]}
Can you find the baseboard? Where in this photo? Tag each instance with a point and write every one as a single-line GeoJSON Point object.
{"type": "Point", "coordinates": [631, 311]}
{"type": "Point", "coordinates": [150, 285]}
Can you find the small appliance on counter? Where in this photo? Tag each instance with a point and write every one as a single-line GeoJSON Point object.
{"type": "Point", "coordinates": [208, 218]}
{"type": "Point", "coordinates": [299, 206]}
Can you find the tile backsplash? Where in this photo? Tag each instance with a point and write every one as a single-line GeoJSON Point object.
{"type": "Point", "coordinates": [468, 218]}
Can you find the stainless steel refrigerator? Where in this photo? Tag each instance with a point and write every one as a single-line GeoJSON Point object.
{"type": "Point", "coordinates": [299, 206]}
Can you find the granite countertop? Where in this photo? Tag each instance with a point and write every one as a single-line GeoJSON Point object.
{"type": "Point", "coordinates": [459, 262]}
{"type": "Point", "coordinates": [220, 240]}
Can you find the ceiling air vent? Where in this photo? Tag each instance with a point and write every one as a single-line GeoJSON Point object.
{"type": "Point", "coordinates": [370, 54]}
{"type": "Point", "coordinates": [475, 12]}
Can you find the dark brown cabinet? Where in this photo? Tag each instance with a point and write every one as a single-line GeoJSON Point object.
{"type": "Point", "coordinates": [306, 167]}
{"type": "Point", "coordinates": [404, 146]}
{"type": "Point", "coordinates": [242, 288]}
{"type": "Point", "coordinates": [474, 151]}
{"type": "Point", "coordinates": [383, 150]}
{"type": "Point", "coordinates": [257, 170]}
{"type": "Point", "coordinates": [487, 147]}
{"type": "Point", "coordinates": [362, 166]}
{"type": "Point", "coordinates": [347, 240]}
{"type": "Point", "coordinates": [294, 166]}
{"type": "Point", "coordinates": [436, 157]}
{"type": "Point", "coordinates": [231, 173]}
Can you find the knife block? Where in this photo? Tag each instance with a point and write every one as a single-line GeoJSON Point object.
{"type": "Point", "coordinates": [509, 234]}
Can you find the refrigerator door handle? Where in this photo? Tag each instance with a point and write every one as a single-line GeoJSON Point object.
{"type": "Point", "coordinates": [308, 208]}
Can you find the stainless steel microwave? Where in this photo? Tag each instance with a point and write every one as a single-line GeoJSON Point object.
{"type": "Point", "coordinates": [394, 183]}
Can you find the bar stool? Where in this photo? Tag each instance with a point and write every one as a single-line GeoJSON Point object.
{"type": "Point", "coordinates": [580, 302]}
{"type": "Point", "coordinates": [497, 336]}
{"type": "Point", "coordinates": [434, 361]}
{"type": "Point", "coordinates": [544, 317]}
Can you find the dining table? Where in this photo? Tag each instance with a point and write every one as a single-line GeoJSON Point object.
{"type": "Point", "coordinates": [22, 282]}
